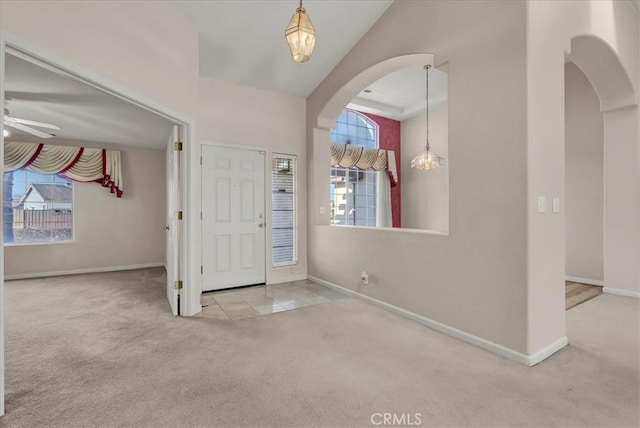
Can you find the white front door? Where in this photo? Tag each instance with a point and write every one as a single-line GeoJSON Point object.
{"type": "Point", "coordinates": [172, 227]}
{"type": "Point", "coordinates": [233, 217]}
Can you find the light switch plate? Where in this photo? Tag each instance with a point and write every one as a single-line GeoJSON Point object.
{"type": "Point", "coordinates": [542, 204]}
{"type": "Point", "coordinates": [323, 210]}
{"type": "Point", "coordinates": [555, 205]}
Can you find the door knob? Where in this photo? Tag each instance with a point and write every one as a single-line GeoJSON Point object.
{"type": "Point", "coordinates": [166, 227]}
{"type": "Point", "coordinates": [260, 224]}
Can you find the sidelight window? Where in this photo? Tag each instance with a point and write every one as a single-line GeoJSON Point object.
{"type": "Point", "coordinates": [283, 207]}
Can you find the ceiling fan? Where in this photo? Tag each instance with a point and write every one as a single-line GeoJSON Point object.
{"type": "Point", "coordinates": [26, 125]}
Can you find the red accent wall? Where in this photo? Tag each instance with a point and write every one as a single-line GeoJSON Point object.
{"type": "Point", "coordinates": [389, 139]}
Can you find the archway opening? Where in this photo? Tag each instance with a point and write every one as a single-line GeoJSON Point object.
{"type": "Point", "coordinates": [390, 94]}
{"type": "Point", "coordinates": [601, 152]}
{"type": "Point", "coordinates": [584, 189]}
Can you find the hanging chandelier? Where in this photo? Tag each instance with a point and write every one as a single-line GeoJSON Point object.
{"type": "Point", "coordinates": [427, 160]}
{"type": "Point", "coordinates": [300, 35]}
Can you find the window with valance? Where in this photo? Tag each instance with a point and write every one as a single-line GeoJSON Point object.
{"type": "Point", "coordinates": [76, 163]}
{"type": "Point", "coordinates": [361, 173]}
{"type": "Point", "coordinates": [38, 190]}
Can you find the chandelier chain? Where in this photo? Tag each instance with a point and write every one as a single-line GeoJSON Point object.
{"type": "Point", "coordinates": [426, 67]}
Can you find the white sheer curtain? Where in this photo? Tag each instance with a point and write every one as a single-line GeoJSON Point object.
{"type": "Point", "coordinates": [383, 200]}
{"type": "Point", "coordinates": [382, 161]}
{"type": "Point", "coordinates": [77, 163]}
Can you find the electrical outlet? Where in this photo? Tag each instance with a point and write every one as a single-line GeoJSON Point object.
{"type": "Point", "coordinates": [364, 276]}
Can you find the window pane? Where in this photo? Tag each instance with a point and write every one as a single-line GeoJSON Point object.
{"type": "Point", "coordinates": [353, 191]}
{"type": "Point", "coordinates": [356, 129]}
{"type": "Point", "coordinates": [283, 210]}
{"type": "Point", "coordinates": [353, 197]}
{"type": "Point", "coordinates": [37, 208]}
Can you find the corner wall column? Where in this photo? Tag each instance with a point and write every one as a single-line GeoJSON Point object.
{"type": "Point", "coordinates": [321, 155]}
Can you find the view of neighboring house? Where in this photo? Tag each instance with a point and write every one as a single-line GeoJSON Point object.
{"type": "Point", "coordinates": [41, 196]}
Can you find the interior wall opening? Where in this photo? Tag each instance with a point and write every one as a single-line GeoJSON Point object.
{"type": "Point", "coordinates": [584, 189]}
{"type": "Point", "coordinates": [59, 133]}
{"type": "Point", "coordinates": [389, 116]}
{"type": "Point", "coordinates": [84, 189]}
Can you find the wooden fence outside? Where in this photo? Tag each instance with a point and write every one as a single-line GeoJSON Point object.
{"type": "Point", "coordinates": [42, 219]}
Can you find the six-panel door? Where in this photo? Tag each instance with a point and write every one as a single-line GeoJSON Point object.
{"type": "Point", "coordinates": [233, 217]}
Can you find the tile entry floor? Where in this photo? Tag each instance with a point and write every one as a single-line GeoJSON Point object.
{"type": "Point", "coordinates": [265, 299]}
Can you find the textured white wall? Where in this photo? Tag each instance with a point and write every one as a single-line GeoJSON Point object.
{"type": "Point", "coordinates": [231, 113]}
{"type": "Point", "coordinates": [622, 185]}
{"type": "Point", "coordinates": [425, 194]}
{"type": "Point", "coordinates": [474, 279]}
{"type": "Point", "coordinates": [144, 48]}
{"type": "Point", "coordinates": [584, 177]}
{"type": "Point", "coordinates": [84, 34]}
{"type": "Point", "coordinates": [613, 72]}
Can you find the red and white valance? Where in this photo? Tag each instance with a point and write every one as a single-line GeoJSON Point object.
{"type": "Point", "coordinates": [349, 156]}
{"type": "Point", "coordinates": [77, 163]}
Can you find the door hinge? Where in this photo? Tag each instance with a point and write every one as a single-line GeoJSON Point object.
{"type": "Point", "coordinates": [178, 215]}
{"type": "Point", "coordinates": [200, 160]}
{"type": "Point", "coordinates": [177, 146]}
{"type": "Point", "coordinates": [177, 285]}
{"type": "Point", "coordinates": [200, 215]}
{"type": "Point", "coordinates": [201, 269]}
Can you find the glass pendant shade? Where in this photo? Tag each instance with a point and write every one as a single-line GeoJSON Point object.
{"type": "Point", "coordinates": [300, 35]}
{"type": "Point", "coordinates": [427, 160]}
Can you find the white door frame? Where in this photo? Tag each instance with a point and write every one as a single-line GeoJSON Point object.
{"type": "Point", "coordinates": [173, 228]}
{"type": "Point", "coordinates": [13, 44]}
{"type": "Point", "coordinates": [267, 196]}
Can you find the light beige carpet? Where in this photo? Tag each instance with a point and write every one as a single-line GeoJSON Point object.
{"type": "Point", "coordinates": [102, 350]}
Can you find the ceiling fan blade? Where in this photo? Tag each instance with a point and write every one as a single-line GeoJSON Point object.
{"type": "Point", "coordinates": [33, 123]}
{"type": "Point", "coordinates": [29, 130]}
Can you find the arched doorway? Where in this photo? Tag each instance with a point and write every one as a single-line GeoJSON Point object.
{"type": "Point", "coordinates": [584, 189]}
{"type": "Point", "coordinates": [603, 44]}
{"type": "Point", "coordinates": [618, 107]}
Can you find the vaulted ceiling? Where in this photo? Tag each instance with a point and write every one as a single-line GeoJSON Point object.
{"type": "Point", "coordinates": [243, 41]}
{"type": "Point", "coordinates": [240, 41]}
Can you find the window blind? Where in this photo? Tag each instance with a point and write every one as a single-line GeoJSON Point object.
{"type": "Point", "coordinates": [283, 184]}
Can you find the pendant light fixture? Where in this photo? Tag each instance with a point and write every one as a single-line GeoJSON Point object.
{"type": "Point", "coordinates": [300, 35]}
{"type": "Point", "coordinates": [427, 160]}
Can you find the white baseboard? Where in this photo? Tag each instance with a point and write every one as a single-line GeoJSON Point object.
{"type": "Point", "coordinates": [503, 351]}
{"type": "Point", "coordinates": [81, 271]}
{"type": "Point", "coordinates": [585, 280]}
{"type": "Point", "coordinates": [620, 292]}
{"type": "Point", "coordinates": [547, 351]}
{"type": "Point", "coordinates": [283, 279]}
